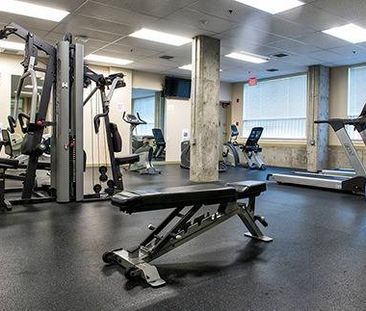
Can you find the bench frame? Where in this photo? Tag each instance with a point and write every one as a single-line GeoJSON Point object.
{"type": "Point", "coordinates": [163, 240]}
{"type": "Point", "coordinates": [4, 204]}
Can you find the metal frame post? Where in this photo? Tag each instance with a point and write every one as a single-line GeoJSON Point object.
{"type": "Point", "coordinates": [62, 128]}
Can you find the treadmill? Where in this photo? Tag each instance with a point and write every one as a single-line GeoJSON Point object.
{"type": "Point", "coordinates": [353, 181]}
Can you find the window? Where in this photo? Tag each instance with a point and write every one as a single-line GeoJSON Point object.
{"type": "Point", "coordinates": [356, 96]}
{"type": "Point", "coordinates": [278, 105]}
{"type": "Point", "coordinates": [148, 103]}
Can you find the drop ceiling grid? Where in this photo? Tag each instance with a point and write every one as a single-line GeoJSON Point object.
{"type": "Point", "coordinates": [297, 32]}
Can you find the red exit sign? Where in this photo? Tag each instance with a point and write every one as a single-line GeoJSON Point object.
{"type": "Point", "coordinates": [252, 81]}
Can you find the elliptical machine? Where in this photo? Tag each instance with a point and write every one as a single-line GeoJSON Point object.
{"type": "Point", "coordinates": [140, 147]}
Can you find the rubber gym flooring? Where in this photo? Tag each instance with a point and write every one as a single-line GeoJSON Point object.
{"type": "Point", "coordinates": [50, 255]}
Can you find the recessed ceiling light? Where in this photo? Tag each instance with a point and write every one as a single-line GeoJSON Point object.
{"type": "Point", "coordinates": [166, 57]}
{"type": "Point", "coordinates": [248, 57]}
{"type": "Point", "coordinates": [272, 6]}
{"type": "Point", "coordinates": [189, 67]}
{"type": "Point", "coordinates": [161, 37]}
{"type": "Point", "coordinates": [32, 10]}
{"type": "Point", "coordinates": [108, 60]}
{"type": "Point", "coordinates": [350, 32]}
{"type": "Point", "coordinates": [13, 46]}
{"type": "Point", "coordinates": [280, 55]}
{"type": "Point", "coordinates": [186, 67]}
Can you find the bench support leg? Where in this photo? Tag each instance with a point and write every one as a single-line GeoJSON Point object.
{"type": "Point", "coordinates": [4, 204]}
{"type": "Point", "coordinates": [249, 219]}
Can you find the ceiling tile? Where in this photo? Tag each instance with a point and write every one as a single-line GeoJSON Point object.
{"type": "Point", "coordinates": [313, 17]}
{"type": "Point", "coordinates": [67, 5]}
{"type": "Point", "coordinates": [281, 27]}
{"type": "Point", "coordinates": [186, 30]}
{"type": "Point", "coordinates": [350, 50]}
{"type": "Point", "coordinates": [93, 28]}
{"type": "Point", "coordinates": [348, 9]}
{"type": "Point", "coordinates": [322, 41]}
{"type": "Point", "coordinates": [115, 15]}
{"type": "Point", "coordinates": [119, 50]}
{"type": "Point", "coordinates": [293, 46]}
{"type": "Point", "coordinates": [156, 8]}
{"type": "Point", "coordinates": [150, 67]}
{"type": "Point", "coordinates": [325, 56]}
{"type": "Point", "coordinates": [143, 44]}
{"type": "Point", "coordinates": [201, 20]}
{"type": "Point", "coordinates": [245, 36]}
{"type": "Point", "coordinates": [29, 23]}
{"type": "Point", "coordinates": [228, 9]}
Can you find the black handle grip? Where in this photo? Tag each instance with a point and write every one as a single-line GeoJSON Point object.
{"type": "Point", "coordinates": [23, 124]}
{"type": "Point", "coordinates": [12, 124]}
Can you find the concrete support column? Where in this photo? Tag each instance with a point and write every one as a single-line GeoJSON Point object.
{"type": "Point", "coordinates": [318, 109]}
{"type": "Point", "coordinates": [205, 143]}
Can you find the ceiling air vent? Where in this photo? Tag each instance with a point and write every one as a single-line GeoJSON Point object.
{"type": "Point", "coordinates": [167, 57]}
{"type": "Point", "coordinates": [280, 55]}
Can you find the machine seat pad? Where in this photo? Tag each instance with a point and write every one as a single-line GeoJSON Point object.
{"type": "Point", "coordinates": [46, 166]}
{"type": "Point", "coordinates": [8, 163]}
{"type": "Point", "coordinates": [252, 149]}
{"type": "Point", "coordinates": [173, 197]}
{"type": "Point", "coordinates": [133, 158]}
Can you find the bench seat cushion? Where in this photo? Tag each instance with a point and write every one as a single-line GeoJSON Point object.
{"type": "Point", "coordinates": [130, 159]}
{"type": "Point", "coordinates": [8, 163]}
{"type": "Point", "coordinates": [172, 197]}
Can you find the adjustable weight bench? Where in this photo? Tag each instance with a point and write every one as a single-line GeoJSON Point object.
{"type": "Point", "coordinates": [180, 226]}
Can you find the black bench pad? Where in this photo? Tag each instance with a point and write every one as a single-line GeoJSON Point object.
{"type": "Point", "coordinates": [130, 159]}
{"type": "Point", "coordinates": [172, 197]}
{"type": "Point", "coordinates": [8, 163]}
{"type": "Point", "coordinates": [44, 166]}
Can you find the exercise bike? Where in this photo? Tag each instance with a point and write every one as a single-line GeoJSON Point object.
{"type": "Point", "coordinates": [141, 147]}
{"type": "Point", "coordinates": [248, 154]}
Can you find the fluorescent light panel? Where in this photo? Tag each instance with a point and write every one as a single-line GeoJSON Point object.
{"type": "Point", "coordinates": [32, 10]}
{"type": "Point", "coordinates": [161, 37]}
{"type": "Point", "coordinates": [248, 57]}
{"type": "Point", "coordinates": [350, 32]}
{"type": "Point", "coordinates": [13, 46]}
{"type": "Point", "coordinates": [189, 67]}
{"type": "Point", "coordinates": [186, 67]}
{"type": "Point", "coordinates": [108, 60]}
{"type": "Point", "coordinates": [272, 6]}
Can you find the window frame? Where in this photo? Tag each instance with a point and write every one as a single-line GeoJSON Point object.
{"type": "Point", "coordinates": [278, 140]}
{"type": "Point", "coordinates": [357, 140]}
{"type": "Point", "coordinates": [154, 106]}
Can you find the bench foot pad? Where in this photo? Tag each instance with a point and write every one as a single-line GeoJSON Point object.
{"type": "Point", "coordinates": [259, 238]}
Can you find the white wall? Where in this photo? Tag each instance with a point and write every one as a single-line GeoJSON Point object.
{"type": "Point", "coordinates": [338, 98]}
{"type": "Point", "coordinates": [146, 80]}
{"type": "Point", "coordinates": [177, 120]}
{"type": "Point", "coordinates": [9, 65]}
{"type": "Point", "coordinates": [225, 91]}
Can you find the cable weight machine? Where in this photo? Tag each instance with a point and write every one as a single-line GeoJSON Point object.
{"type": "Point", "coordinates": [63, 90]}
